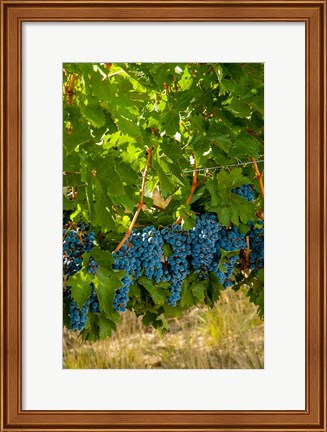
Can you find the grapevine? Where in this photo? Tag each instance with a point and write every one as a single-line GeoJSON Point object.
{"type": "Point", "coordinates": [163, 190]}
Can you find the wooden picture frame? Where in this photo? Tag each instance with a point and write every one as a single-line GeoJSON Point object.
{"type": "Point", "coordinates": [13, 14]}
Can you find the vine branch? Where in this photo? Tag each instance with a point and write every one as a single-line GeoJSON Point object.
{"type": "Point", "coordinates": [140, 204]}
{"type": "Point", "coordinates": [193, 187]}
{"type": "Point", "coordinates": [258, 176]}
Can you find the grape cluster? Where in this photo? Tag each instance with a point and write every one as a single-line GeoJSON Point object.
{"type": "Point", "coordinates": [94, 302]}
{"type": "Point", "coordinates": [176, 266]}
{"type": "Point", "coordinates": [231, 239]}
{"type": "Point", "coordinates": [78, 316]}
{"type": "Point", "coordinates": [76, 241]}
{"type": "Point", "coordinates": [92, 266]}
{"type": "Point", "coordinates": [245, 191]}
{"type": "Point", "coordinates": [209, 238]}
{"type": "Point", "coordinates": [205, 236]}
{"type": "Point", "coordinates": [146, 249]}
{"type": "Point", "coordinates": [123, 261]}
{"type": "Point", "coordinates": [256, 236]}
{"type": "Point", "coordinates": [229, 267]}
{"type": "Point", "coordinates": [121, 295]}
{"type": "Point", "coordinates": [143, 255]}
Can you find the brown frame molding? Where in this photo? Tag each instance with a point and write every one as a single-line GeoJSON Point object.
{"type": "Point", "coordinates": [13, 13]}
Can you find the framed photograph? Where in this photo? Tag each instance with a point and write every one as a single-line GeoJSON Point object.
{"type": "Point", "coordinates": [153, 153]}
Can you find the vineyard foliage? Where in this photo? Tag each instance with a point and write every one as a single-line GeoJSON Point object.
{"type": "Point", "coordinates": [121, 120]}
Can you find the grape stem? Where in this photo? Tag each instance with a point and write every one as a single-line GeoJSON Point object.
{"type": "Point", "coordinates": [258, 176]}
{"type": "Point", "coordinates": [193, 187]}
{"type": "Point", "coordinates": [140, 204]}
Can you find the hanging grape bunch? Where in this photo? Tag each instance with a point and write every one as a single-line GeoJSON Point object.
{"type": "Point", "coordinates": [76, 241]}
{"type": "Point", "coordinates": [195, 251]}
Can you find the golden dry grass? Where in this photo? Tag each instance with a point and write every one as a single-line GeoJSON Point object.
{"type": "Point", "coordinates": [229, 336]}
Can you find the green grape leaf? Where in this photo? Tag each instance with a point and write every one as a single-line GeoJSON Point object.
{"type": "Point", "coordinates": [93, 113]}
{"type": "Point", "coordinates": [102, 257]}
{"type": "Point", "coordinates": [106, 327]}
{"type": "Point", "coordinates": [230, 207]}
{"type": "Point", "coordinates": [161, 324]}
{"type": "Point", "coordinates": [185, 83]}
{"type": "Point", "coordinates": [149, 318]}
{"type": "Point", "coordinates": [106, 283]}
{"type": "Point", "coordinates": [169, 120]}
{"type": "Point", "coordinates": [188, 216]}
{"type": "Point", "coordinates": [198, 290]}
{"type": "Point", "coordinates": [135, 292]}
{"type": "Point", "coordinates": [80, 287]}
{"type": "Point", "coordinates": [187, 299]}
{"type": "Point", "coordinates": [239, 108]}
{"type": "Point", "coordinates": [247, 145]}
{"type": "Point", "coordinates": [103, 214]}
{"type": "Point", "coordinates": [256, 291]}
{"type": "Point", "coordinates": [214, 287]}
{"type": "Point", "coordinates": [221, 141]}
{"type": "Point", "coordinates": [157, 293]}
{"type": "Point", "coordinates": [75, 134]}
{"type": "Point", "coordinates": [166, 186]}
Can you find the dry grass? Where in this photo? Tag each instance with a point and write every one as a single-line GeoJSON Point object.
{"type": "Point", "coordinates": [229, 336]}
